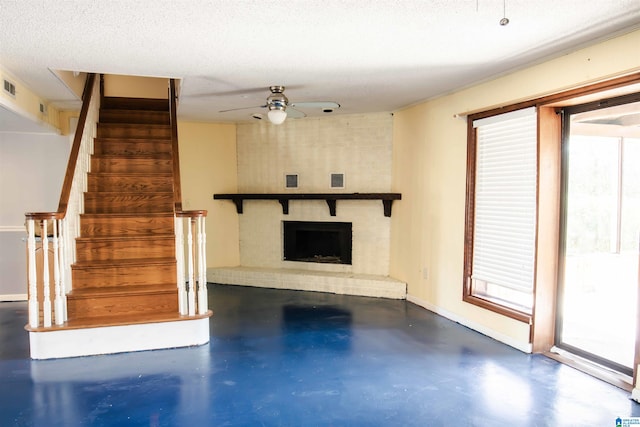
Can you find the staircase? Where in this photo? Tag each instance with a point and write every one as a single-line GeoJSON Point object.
{"type": "Point", "coordinates": [122, 267]}
{"type": "Point", "coordinates": [125, 269]}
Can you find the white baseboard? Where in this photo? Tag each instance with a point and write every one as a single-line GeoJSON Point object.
{"type": "Point", "coordinates": [13, 297]}
{"type": "Point", "coordinates": [56, 344]}
{"type": "Point", "coordinates": [524, 347]}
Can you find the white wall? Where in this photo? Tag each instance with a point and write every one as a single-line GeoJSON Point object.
{"type": "Point", "coordinates": [32, 168]}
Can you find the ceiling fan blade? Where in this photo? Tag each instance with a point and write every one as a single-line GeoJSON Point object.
{"type": "Point", "coordinates": [295, 114]}
{"type": "Point", "coordinates": [316, 104]}
{"type": "Point", "coordinates": [243, 108]}
{"type": "Point", "coordinates": [228, 93]}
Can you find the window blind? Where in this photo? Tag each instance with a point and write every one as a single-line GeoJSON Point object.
{"type": "Point", "coordinates": [505, 200]}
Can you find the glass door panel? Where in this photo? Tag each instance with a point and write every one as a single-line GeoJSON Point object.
{"type": "Point", "coordinates": [598, 284]}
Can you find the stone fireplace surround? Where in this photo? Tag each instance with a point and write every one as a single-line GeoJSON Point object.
{"type": "Point", "coordinates": [263, 264]}
{"type": "Point", "coordinates": [358, 146]}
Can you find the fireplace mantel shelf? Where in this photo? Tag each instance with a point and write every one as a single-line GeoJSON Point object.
{"type": "Point", "coordinates": [330, 198]}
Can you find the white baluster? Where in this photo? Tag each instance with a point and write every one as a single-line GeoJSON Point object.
{"type": "Point", "coordinates": [64, 265]}
{"type": "Point", "coordinates": [182, 293]}
{"type": "Point", "coordinates": [46, 287]}
{"type": "Point", "coordinates": [202, 266]}
{"type": "Point", "coordinates": [191, 292]}
{"type": "Point", "coordinates": [34, 312]}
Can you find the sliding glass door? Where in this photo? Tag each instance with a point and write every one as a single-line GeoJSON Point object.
{"type": "Point", "coordinates": [600, 232]}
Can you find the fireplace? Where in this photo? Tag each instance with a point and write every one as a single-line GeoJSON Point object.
{"type": "Point", "coordinates": [320, 242]}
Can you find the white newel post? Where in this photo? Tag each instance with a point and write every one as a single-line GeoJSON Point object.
{"type": "Point", "coordinates": [59, 318]}
{"type": "Point", "coordinates": [32, 278]}
{"type": "Point", "coordinates": [46, 286]}
{"type": "Point", "coordinates": [182, 293]}
{"type": "Point", "coordinates": [65, 267]}
{"type": "Point", "coordinates": [190, 291]}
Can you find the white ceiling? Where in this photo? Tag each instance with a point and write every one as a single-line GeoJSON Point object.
{"type": "Point", "coordinates": [367, 55]}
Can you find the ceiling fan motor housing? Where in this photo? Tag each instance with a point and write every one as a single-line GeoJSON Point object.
{"type": "Point", "coordinates": [277, 100]}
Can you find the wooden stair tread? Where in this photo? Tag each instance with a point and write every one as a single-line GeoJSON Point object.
{"type": "Point", "coordinates": [134, 110]}
{"type": "Point", "coordinates": [134, 125]}
{"type": "Point", "coordinates": [122, 320]}
{"type": "Point", "coordinates": [133, 174]}
{"type": "Point", "coordinates": [127, 215]}
{"type": "Point", "coordinates": [130, 193]}
{"type": "Point", "coordinates": [154, 156]}
{"type": "Point", "coordinates": [108, 238]}
{"type": "Point", "coordinates": [109, 291]}
{"type": "Point", "coordinates": [133, 140]}
{"type": "Point", "coordinates": [130, 262]}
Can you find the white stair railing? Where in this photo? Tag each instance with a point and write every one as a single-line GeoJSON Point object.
{"type": "Point", "coordinates": [50, 247]}
{"type": "Point", "coordinates": [191, 260]}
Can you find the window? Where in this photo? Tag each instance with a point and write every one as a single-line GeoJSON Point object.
{"type": "Point", "coordinates": [501, 213]}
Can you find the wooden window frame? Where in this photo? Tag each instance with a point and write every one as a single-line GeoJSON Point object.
{"type": "Point", "coordinates": [542, 318]}
{"type": "Point", "coordinates": [468, 292]}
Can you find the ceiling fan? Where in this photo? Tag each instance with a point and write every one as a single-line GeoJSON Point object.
{"type": "Point", "coordinates": [279, 107]}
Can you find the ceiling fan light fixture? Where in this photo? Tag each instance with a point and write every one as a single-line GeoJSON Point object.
{"type": "Point", "coordinates": [277, 115]}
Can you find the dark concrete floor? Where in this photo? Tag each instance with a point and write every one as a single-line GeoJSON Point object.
{"type": "Point", "coordinates": [287, 358]}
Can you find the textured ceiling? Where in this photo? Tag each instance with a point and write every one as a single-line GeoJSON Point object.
{"type": "Point", "coordinates": [367, 55]}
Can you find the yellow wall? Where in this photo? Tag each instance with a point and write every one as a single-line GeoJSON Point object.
{"type": "Point", "coordinates": [208, 165]}
{"type": "Point", "coordinates": [429, 162]}
{"type": "Point", "coordinates": [136, 87]}
{"type": "Point", "coordinates": [26, 103]}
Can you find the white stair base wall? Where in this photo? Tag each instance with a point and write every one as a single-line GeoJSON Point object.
{"type": "Point", "coordinates": [307, 280]}
{"type": "Point", "coordinates": [118, 339]}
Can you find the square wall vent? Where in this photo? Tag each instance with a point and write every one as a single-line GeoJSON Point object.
{"type": "Point", "coordinates": [10, 88]}
{"type": "Point", "coordinates": [337, 180]}
{"type": "Point", "coordinates": [291, 181]}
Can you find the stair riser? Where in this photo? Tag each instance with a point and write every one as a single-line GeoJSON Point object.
{"type": "Point", "coordinates": [91, 227]}
{"type": "Point", "coordinates": [95, 203]}
{"type": "Point", "coordinates": [134, 116]}
{"type": "Point", "coordinates": [117, 103]}
{"type": "Point", "coordinates": [133, 131]}
{"type": "Point", "coordinates": [108, 164]}
{"type": "Point", "coordinates": [123, 183]}
{"type": "Point", "coordinates": [98, 306]}
{"type": "Point", "coordinates": [126, 147]}
{"type": "Point", "coordinates": [151, 275]}
{"type": "Point", "coordinates": [98, 250]}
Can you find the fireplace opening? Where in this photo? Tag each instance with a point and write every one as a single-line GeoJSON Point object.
{"type": "Point", "coordinates": [321, 242]}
